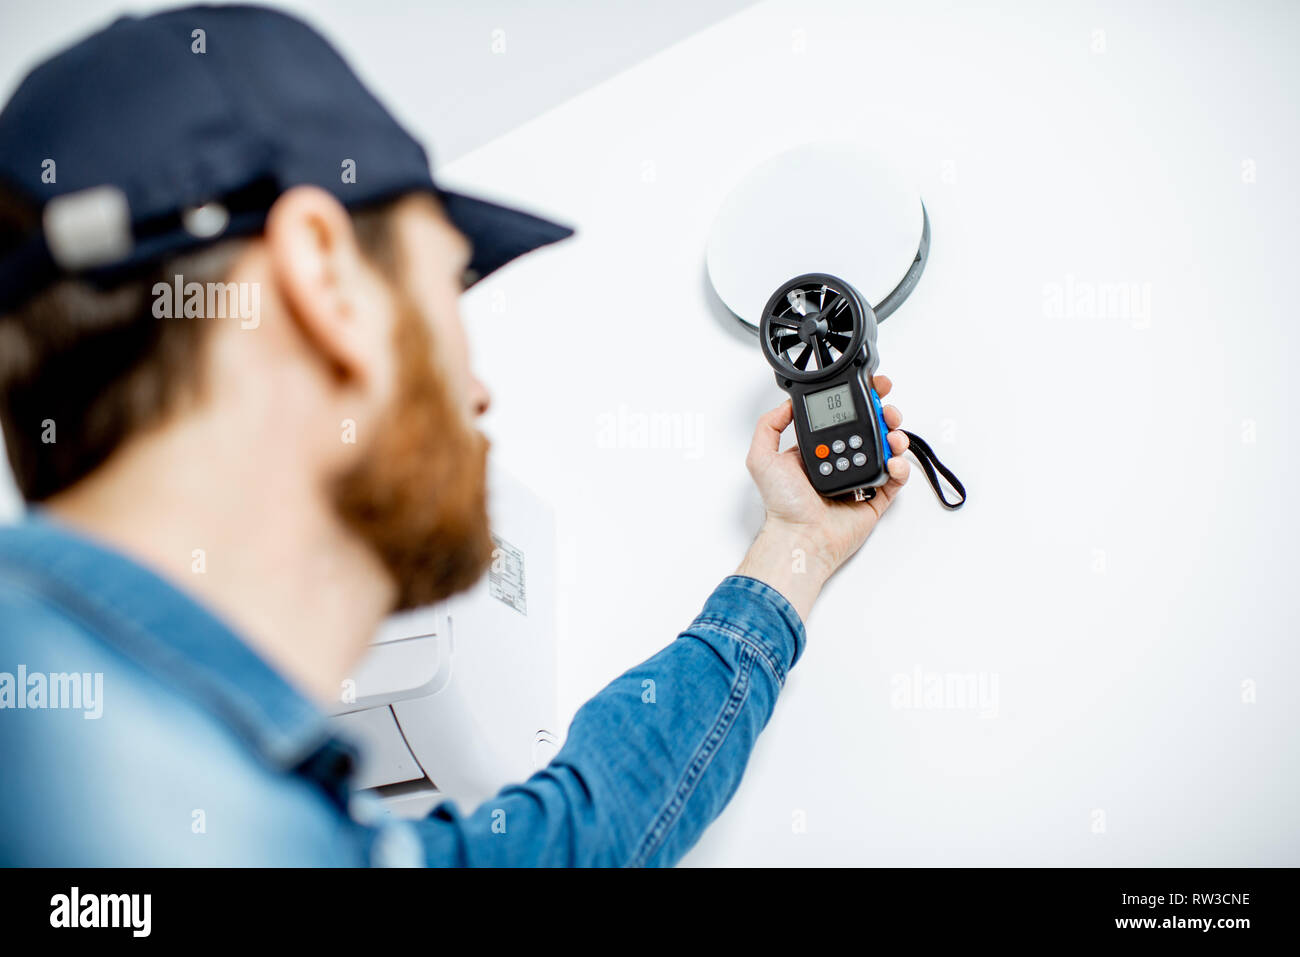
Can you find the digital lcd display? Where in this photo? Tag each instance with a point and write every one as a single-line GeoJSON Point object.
{"type": "Point", "coordinates": [830, 407]}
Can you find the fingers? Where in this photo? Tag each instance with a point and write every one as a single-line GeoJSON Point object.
{"type": "Point", "coordinates": [767, 435]}
{"type": "Point", "coordinates": [899, 469]}
{"type": "Point", "coordinates": [883, 386]}
{"type": "Point", "coordinates": [897, 466]}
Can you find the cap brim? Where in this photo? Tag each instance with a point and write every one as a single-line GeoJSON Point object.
{"type": "Point", "coordinates": [498, 234]}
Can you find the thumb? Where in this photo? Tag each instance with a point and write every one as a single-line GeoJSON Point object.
{"type": "Point", "coordinates": [767, 436]}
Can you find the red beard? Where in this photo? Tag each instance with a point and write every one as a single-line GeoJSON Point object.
{"type": "Point", "coordinates": [419, 496]}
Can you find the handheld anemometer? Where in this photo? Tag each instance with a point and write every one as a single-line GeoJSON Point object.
{"type": "Point", "coordinates": [818, 331]}
{"type": "Point", "coordinates": [819, 335]}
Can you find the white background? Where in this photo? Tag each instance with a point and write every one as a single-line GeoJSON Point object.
{"type": "Point", "coordinates": [1126, 559]}
{"type": "Point", "coordinates": [468, 71]}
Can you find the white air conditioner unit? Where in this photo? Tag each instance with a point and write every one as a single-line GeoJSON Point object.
{"type": "Point", "coordinates": [457, 700]}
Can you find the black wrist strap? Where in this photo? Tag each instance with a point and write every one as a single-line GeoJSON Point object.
{"type": "Point", "coordinates": [930, 462]}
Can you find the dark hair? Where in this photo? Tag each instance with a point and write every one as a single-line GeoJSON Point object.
{"type": "Point", "coordinates": [84, 368]}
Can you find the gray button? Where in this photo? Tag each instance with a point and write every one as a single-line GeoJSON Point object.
{"type": "Point", "coordinates": [842, 464]}
{"type": "Point", "coordinates": [837, 446]}
{"type": "Point", "coordinates": [859, 460]}
{"type": "Point", "coordinates": [855, 441]}
{"type": "Point", "coordinates": [825, 468]}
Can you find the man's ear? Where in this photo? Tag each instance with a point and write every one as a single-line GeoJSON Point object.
{"type": "Point", "coordinates": [318, 267]}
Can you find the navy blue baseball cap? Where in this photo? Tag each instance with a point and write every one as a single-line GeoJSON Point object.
{"type": "Point", "coordinates": [150, 138]}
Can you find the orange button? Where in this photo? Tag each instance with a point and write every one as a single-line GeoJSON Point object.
{"type": "Point", "coordinates": [821, 451]}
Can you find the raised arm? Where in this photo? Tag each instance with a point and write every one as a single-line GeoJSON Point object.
{"type": "Point", "coordinates": [653, 758]}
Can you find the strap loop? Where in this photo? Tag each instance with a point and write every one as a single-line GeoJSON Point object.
{"type": "Point", "coordinates": [930, 463]}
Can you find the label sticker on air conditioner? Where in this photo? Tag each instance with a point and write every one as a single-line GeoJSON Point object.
{"type": "Point", "coordinates": [506, 576]}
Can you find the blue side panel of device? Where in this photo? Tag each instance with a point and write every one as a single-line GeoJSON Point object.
{"type": "Point", "coordinates": [884, 429]}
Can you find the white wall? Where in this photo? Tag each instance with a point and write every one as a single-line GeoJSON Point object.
{"type": "Point", "coordinates": [1125, 561]}
{"type": "Point", "coordinates": [471, 71]}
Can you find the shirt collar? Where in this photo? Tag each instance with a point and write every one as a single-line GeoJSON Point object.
{"type": "Point", "coordinates": [168, 634]}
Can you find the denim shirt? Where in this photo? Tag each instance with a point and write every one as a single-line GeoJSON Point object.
{"type": "Point", "coordinates": [136, 728]}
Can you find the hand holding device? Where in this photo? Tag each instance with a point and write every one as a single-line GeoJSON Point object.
{"type": "Point", "coordinates": [805, 536]}
{"type": "Point", "coordinates": [819, 335]}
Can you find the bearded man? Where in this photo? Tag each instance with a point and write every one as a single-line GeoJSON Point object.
{"type": "Point", "coordinates": [149, 445]}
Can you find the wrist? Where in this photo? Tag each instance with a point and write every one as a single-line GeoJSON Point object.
{"type": "Point", "coordinates": [789, 560]}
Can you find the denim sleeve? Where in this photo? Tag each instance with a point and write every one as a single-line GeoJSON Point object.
{"type": "Point", "coordinates": [652, 759]}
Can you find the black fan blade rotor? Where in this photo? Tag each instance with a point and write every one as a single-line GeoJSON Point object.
{"type": "Point", "coordinates": [802, 362]}
{"type": "Point", "coordinates": [784, 343]}
{"type": "Point", "coordinates": [786, 322]}
{"type": "Point", "coordinates": [841, 316]}
{"type": "Point", "coordinates": [828, 310]}
{"type": "Point", "coordinates": [840, 340]}
{"type": "Point", "coordinates": [823, 353]}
